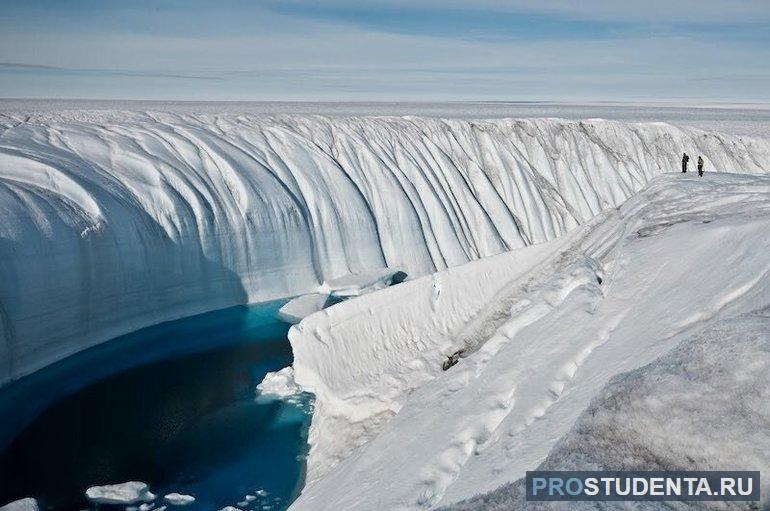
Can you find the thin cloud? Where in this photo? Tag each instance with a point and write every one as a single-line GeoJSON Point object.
{"type": "Point", "coordinates": [17, 65]}
{"type": "Point", "coordinates": [696, 11]}
{"type": "Point", "coordinates": [304, 58]}
{"type": "Point", "coordinates": [107, 72]}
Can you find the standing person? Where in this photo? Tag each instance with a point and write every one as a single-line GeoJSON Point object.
{"type": "Point", "coordinates": [700, 166]}
{"type": "Point", "coordinates": [685, 159]}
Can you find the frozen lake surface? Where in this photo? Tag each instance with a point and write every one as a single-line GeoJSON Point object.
{"type": "Point", "coordinates": [172, 405]}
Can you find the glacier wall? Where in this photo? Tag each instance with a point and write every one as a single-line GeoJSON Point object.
{"type": "Point", "coordinates": [113, 221]}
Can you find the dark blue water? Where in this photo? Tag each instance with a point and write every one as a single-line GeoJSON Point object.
{"type": "Point", "coordinates": [172, 405]}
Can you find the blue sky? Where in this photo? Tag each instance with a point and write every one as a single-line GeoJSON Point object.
{"type": "Point", "coordinates": [430, 50]}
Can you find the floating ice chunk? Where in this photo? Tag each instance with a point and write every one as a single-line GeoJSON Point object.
{"type": "Point", "coordinates": [131, 492]}
{"type": "Point", "coordinates": [230, 508]}
{"type": "Point", "coordinates": [145, 507]}
{"type": "Point", "coordinates": [278, 384]}
{"type": "Point", "coordinates": [178, 499]}
{"type": "Point", "coordinates": [298, 308]}
{"type": "Point", "coordinates": [262, 493]}
{"type": "Point", "coordinates": [28, 504]}
{"type": "Point", "coordinates": [246, 500]}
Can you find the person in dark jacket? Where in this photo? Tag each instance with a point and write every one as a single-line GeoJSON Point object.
{"type": "Point", "coordinates": [700, 166]}
{"type": "Point", "coordinates": [685, 159]}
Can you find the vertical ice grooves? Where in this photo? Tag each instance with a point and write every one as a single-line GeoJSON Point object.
{"type": "Point", "coordinates": [160, 215]}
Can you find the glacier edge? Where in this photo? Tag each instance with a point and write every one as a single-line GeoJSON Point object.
{"type": "Point", "coordinates": [108, 227]}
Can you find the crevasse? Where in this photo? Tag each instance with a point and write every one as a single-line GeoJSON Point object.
{"type": "Point", "coordinates": [109, 223]}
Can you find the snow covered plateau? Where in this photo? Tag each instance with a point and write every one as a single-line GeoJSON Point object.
{"type": "Point", "coordinates": [545, 257]}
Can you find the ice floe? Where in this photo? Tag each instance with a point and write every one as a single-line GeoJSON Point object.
{"type": "Point", "coordinates": [27, 504]}
{"type": "Point", "coordinates": [131, 492]}
{"type": "Point", "coordinates": [179, 499]}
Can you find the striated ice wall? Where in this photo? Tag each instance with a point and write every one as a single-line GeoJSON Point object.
{"type": "Point", "coordinates": [112, 221]}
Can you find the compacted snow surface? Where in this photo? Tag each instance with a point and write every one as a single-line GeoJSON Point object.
{"type": "Point", "coordinates": [539, 331]}
{"type": "Point", "coordinates": [702, 406]}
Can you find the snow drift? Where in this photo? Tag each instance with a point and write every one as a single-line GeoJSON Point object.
{"type": "Point", "coordinates": [701, 407]}
{"type": "Point", "coordinates": [536, 333]}
{"type": "Point", "coordinates": [111, 221]}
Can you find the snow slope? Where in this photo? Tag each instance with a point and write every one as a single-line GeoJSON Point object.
{"type": "Point", "coordinates": [112, 221]}
{"type": "Point", "coordinates": [702, 406]}
{"type": "Point", "coordinates": [540, 331]}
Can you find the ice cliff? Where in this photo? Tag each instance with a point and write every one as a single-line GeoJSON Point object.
{"type": "Point", "coordinates": [111, 221]}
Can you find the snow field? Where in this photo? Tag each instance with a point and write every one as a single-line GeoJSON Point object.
{"type": "Point", "coordinates": [702, 406]}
